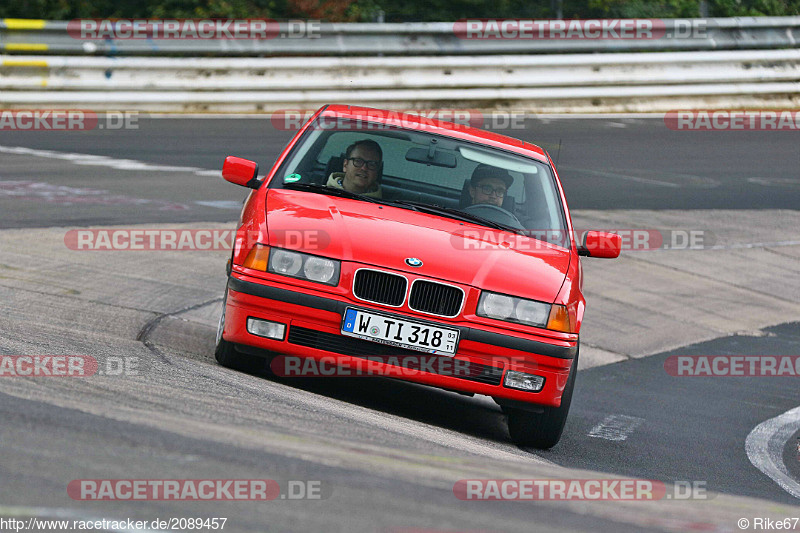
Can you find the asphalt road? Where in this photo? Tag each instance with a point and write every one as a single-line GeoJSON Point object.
{"type": "Point", "coordinates": [705, 419]}
{"type": "Point", "coordinates": [386, 453]}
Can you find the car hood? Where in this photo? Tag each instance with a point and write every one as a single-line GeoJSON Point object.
{"type": "Point", "coordinates": [385, 236]}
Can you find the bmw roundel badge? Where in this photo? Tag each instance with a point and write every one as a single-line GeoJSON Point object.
{"type": "Point", "coordinates": [413, 262]}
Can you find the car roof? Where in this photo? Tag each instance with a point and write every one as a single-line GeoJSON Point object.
{"type": "Point", "coordinates": [432, 125]}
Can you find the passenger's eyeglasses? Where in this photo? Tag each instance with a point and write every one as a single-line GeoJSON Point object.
{"type": "Point", "coordinates": [488, 190]}
{"type": "Point", "coordinates": [358, 163]}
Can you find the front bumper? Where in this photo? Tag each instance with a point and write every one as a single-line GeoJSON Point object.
{"type": "Point", "coordinates": [314, 321]}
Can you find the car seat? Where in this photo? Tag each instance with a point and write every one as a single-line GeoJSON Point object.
{"type": "Point", "coordinates": [335, 164]}
{"type": "Point", "coordinates": [466, 199]}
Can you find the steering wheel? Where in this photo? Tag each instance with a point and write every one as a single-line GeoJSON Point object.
{"type": "Point", "coordinates": [495, 214]}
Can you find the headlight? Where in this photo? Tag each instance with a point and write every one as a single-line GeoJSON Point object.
{"type": "Point", "coordinates": [496, 306]}
{"type": "Point", "coordinates": [285, 262]}
{"type": "Point", "coordinates": [510, 309]}
{"type": "Point", "coordinates": [319, 269]}
{"type": "Point", "coordinates": [532, 312]}
{"type": "Point", "coordinates": [303, 266]}
{"type": "Point", "coordinates": [293, 264]}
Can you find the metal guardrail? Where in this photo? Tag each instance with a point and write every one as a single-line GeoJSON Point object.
{"type": "Point", "coordinates": [739, 62]}
{"type": "Point", "coordinates": [373, 39]}
{"type": "Point", "coordinates": [396, 74]}
{"type": "Point", "coordinates": [574, 82]}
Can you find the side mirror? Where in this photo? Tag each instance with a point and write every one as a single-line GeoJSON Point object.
{"type": "Point", "coordinates": [241, 172]}
{"type": "Point", "coordinates": [600, 244]}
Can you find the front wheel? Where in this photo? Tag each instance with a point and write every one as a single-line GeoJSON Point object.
{"type": "Point", "coordinates": [225, 353]}
{"type": "Point", "coordinates": [542, 430]}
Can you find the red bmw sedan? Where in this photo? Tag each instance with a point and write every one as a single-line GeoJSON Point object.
{"type": "Point", "coordinates": [434, 252]}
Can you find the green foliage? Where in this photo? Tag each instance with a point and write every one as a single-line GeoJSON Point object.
{"type": "Point", "coordinates": [754, 8]}
{"type": "Point", "coordinates": [408, 11]}
{"type": "Point", "coordinates": [452, 10]}
{"type": "Point", "coordinates": [644, 8]}
{"type": "Point", "coordinates": [70, 9]}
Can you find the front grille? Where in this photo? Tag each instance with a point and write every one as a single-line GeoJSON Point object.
{"type": "Point", "coordinates": [435, 298]}
{"type": "Point", "coordinates": [380, 287]}
{"type": "Point", "coordinates": [363, 349]}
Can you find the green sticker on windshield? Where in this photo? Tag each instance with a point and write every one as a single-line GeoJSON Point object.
{"type": "Point", "coordinates": [291, 178]}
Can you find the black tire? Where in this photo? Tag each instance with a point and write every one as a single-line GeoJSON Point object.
{"type": "Point", "coordinates": [542, 430]}
{"type": "Point", "coordinates": [225, 353]}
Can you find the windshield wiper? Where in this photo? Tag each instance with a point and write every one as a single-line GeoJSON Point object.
{"type": "Point", "coordinates": [406, 204]}
{"type": "Point", "coordinates": [342, 193]}
{"type": "Point", "coordinates": [454, 213]}
{"type": "Point", "coordinates": [333, 191]}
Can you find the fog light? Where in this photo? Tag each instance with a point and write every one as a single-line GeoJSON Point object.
{"type": "Point", "coordinates": [521, 381]}
{"type": "Point", "coordinates": [265, 328]}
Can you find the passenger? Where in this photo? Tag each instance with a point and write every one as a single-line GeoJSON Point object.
{"type": "Point", "coordinates": [363, 163]}
{"type": "Point", "coordinates": [489, 185]}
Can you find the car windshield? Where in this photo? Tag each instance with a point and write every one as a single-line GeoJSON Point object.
{"type": "Point", "coordinates": [426, 172]}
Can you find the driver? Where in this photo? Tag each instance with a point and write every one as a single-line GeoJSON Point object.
{"type": "Point", "coordinates": [489, 185]}
{"type": "Point", "coordinates": [363, 162]}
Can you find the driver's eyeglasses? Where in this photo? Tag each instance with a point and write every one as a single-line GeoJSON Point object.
{"type": "Point", "coordinates": [488, 190]}
{"type": "Point", "coordinates": [358, 163]}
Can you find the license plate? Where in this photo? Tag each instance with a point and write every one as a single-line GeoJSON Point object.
{"type": "Point", "coordinates": [400, 332]}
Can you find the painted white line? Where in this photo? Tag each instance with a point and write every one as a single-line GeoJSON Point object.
{"type": "Point", "coordinates": [774, 182]}
{"type": "Point", "coordinates": [737, 246]}
{"type": "Point", "coordinates": [104, 161]}
{"type": "Point", "coordinates": [222, 204]}
{"type": "Point", "coordinates": [266, 115]}
{"type": "Point", "coordinates": [63, 195]}
{"type": "Point", "coordinates": [754, 245]}
{"type": "Point", "coordinates": [53, 514]}
{"type": "Point", "coordinates": [764, 446]}
{"type": "Point", "coordinates": [637, 179]}
{"type": "Point", "coordinates": [616, 427]}
{"type": "Point", "coordinates": [597, 116]}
